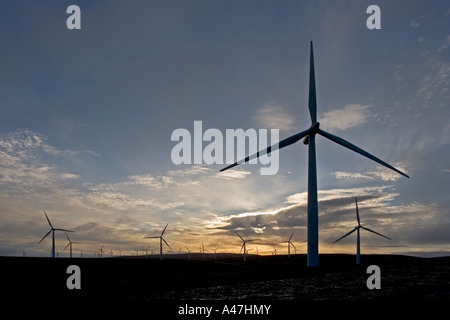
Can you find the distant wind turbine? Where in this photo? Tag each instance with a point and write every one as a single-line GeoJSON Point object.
{"type": "Point", "coordinates": [70, 244]}
{"type": "Point", "coordinates": [274, 250]}
{"type": "Point", "coordinates": [202, 251]}
{"type": "Point", "coordinates": [52, 230]}
{"type": "Point", "coordinates": [357, 228]}
{"type": "Point", "coordinates": [189, 253]}
{"type": "Point", "coordinates": [100, 251]}
{"type": "Point", "coordinates": [309, 135]}
{"type": "Point", "coordinates": [244, 245]}
{"type": "Point", "coordinates": [289, 244]}
{"type": "Point", "coordinates": [161, 239]}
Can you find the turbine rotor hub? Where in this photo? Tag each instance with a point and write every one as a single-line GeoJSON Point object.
{"type": "Point", "coordinates": [312, 132]}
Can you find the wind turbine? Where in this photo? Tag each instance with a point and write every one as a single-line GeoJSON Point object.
{"type": "Point", "coordinates": [357, 228]}
{"type": "Point", "coordinates": [70, 244]}
{"type": "Point", "coordinates": [274, 250]}
{"type": "Point", "coordinates": [189, 253]}
{"type": "Point", "coordinates": [309, 135]}
{"type": "Point", "coordinates": [244, 247]}
{"type": "Point", "coordinates": [52, 230]}
{"type": "Point", "coordinates": [202, 251]}
{"type": "Point", "coordinates": [100, 251]}
{"type": "Point", "coordinates": [161, 239]}
{"type": "Point", "coordinates": [289, 244]}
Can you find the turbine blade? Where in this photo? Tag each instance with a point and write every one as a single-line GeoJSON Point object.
{"type": "Point", "coordinates": [312, 101]}
{"type": "Point", "coordinates": [357, 212]}
{"type": "Point", "coordinates": [350, 146]}
{"type": "Point", "coordinates": [66, 246]}
{"type": "Point", "coordinates": [166, 243]}
{"type": "Point", "coordinates": [48, 220]}
{"type": "Point", "coordinates": [291, 236]}
{"type": "Point", "coordinates": [293, 245]}
{"type": "Point", "coordinates": [164, 229]}
{"type": "Point", "coordinates": [241, 248]}
{"type": "Point", "coordinates": [45, 235]}
{"type": "Point", "coordinates": [57, 229]}
{"type": "Point", "coordinates": [284, 143]}
{"type": "Point", "coordinates": [240, 236]}
{"type": "Point", "coordinates": [346, 234]}
{"type": "Point", "coordinates": [151, 237]}
{"type": "Point", "coordinates": [375, 232]}
{"type": "Point", "coordinates": [67, 237]}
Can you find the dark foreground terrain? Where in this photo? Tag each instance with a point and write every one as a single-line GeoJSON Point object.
{"type": "Point", "coordinates": [261, 278]}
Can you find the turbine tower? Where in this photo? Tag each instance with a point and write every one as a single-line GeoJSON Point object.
{"type": "Point", "coordinates": [161, 239]}
{"type": "Point", "coordinates": [52, 230]}
{"type": "Point", "coordinates": [244, 247]}
{"type": "Point", "coordinates": [310, 135]}
{"type": "Point", "coordinates": [357, 228]}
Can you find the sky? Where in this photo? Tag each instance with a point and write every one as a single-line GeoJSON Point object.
{"type": "Point", "coordinates": [87, 117]}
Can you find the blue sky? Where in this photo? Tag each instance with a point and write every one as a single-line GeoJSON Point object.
{"type": "Point", "coordinates": [87, 117]}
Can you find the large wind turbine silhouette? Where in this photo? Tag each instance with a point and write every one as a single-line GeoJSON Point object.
{"type": "Point", "coordinates": [52, 230]}
{"type": "Point", "coordinates": [161, 239]}
{"type": "Point", "coordinates": [357, 228]}
{"type": "Point", "coordinates": [310, 135]}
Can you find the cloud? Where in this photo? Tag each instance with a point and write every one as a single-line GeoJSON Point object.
{"type": "Point", "coordinates": [69, 176]}
{"type": "Point", "coordinates": [381, 172]}
{"type": "Point", "coordinates": [352, 115]}
{"type": "Point", "coordinates": [272, 116]}
{"type": "Point", "coordinates": [435, 81]}
{"type": "Point", "coordinates": [445, 45]}
{"type": "Point", "coordinates": [414, 24]}
{"type": "Point", "coordinates": [233, 174]}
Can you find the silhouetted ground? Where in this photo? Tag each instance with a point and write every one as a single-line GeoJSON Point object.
{"type": "Point", "coordinates": [261, 278]}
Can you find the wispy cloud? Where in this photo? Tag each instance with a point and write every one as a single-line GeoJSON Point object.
{"type": "Point", "coordinates": [233, 174]}
{"type": "Point", "coordinates": [414, 24]}
{"type": "Point", "coordinates": [272, 116]}
{"type": "Point", "coordinates": [381, 173]}
{"type": "Point", "coordinates": [352, 115]}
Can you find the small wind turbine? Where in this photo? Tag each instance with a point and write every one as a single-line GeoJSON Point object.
{"type": "Point", "coordinates": [52, 230]}
{"type": "Point", "coordinates": [100, 252]}
{"type": "Point", "coordinates": [274, 250]}
{"type": "Point", "coordinates": [161, 239]}
{"type": "Point", "coordinates": [202, 251]}
{"type": "Point", "coordinates": [70, 244]}
{"type": "Point", "coordinates": [289, 245]}
{"type": "Point", "coordinates": [146, 252]}
{"type": "Point", "coordinates": [359, 226]}
{"type": "Point", "coordinates": [189, 253]}
{"type": "Point", "coordinates": [310, 136]}
{"type": "Point", "coordinates": [244, 247]}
